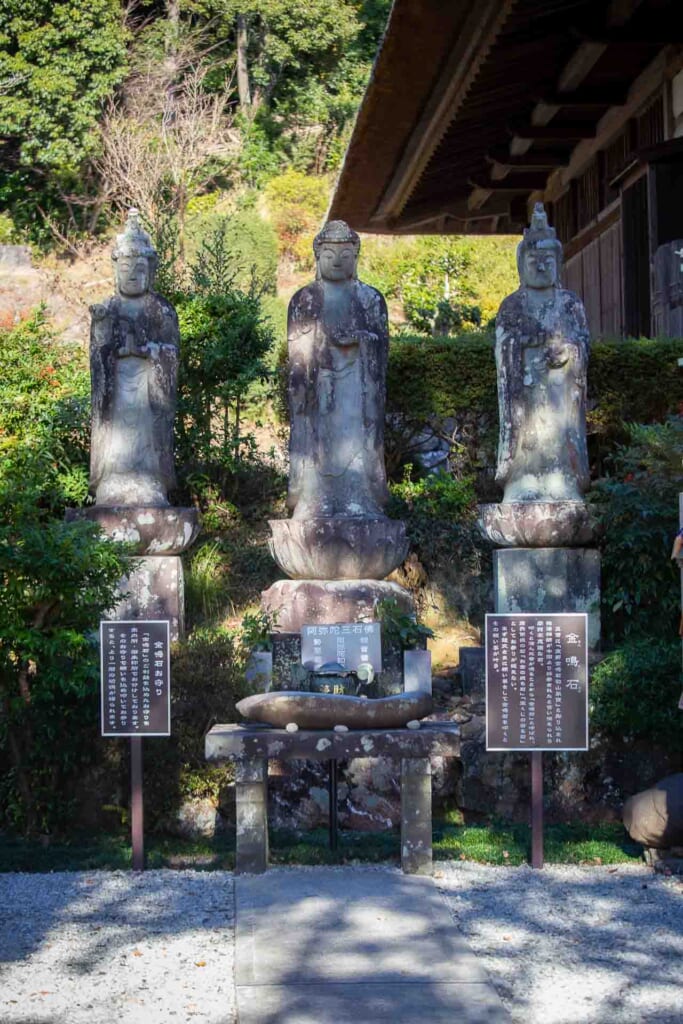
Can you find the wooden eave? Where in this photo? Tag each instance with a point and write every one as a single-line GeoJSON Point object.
{"type": "Point", "coordinates": [473, 106]}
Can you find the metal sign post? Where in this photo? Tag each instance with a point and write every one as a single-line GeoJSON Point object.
{"type": "Point", "coordinates": [537, 693]}
{"type": "Point", "coordinates": [135, 699]}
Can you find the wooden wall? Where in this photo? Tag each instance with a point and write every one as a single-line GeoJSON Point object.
{"type": "Point", "coordinates": [595, 274]}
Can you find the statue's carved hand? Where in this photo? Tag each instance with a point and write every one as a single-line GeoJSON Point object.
{"type": "Point", "coordinates": [131, 348]}
{"type": "Point", "coordinates": [557, 355]}
{"type": "Point", "coordinates": [356, 338]}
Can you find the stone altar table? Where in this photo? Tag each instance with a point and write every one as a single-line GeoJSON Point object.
{"type": "Point", "coordinates": [250, 746]}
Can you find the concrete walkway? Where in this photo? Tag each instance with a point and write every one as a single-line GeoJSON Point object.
{"type": "Point", "coordinates": [324, 946]}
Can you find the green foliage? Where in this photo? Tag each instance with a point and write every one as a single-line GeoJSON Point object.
{"type": "Point", "coordinates": [44, 422]}
{"type": "Point", "coordinates": [634, 380]}
{"type": "Point", "coordinates": [6, 229]}
{"type": "Point", "coordinates": [56, 579]}
{"type": "Point", "coordinates": [637, 512]}
{"type": "Point", "coordinates": [205, 584]}
{"type": "Point", "coordinates": [207, 672]}
{"type": "Point", "coordinates": [296, 203]}
{"type": "Point", "coordinates": [255, 631]}
{"type": "Point", "coordinates": [441, 378]}
{"type": "Point", "coordinates": [224, 340]}
{"type": "Point", "coordinates": [398, 627]}
{"type": "Point", "coordinates": [635, 691]}
{"type": "Point", "coordinates": [250, 240]}
{"type": "Point", "coordinates": [446, 285]}
{"type": "Point", "coordinates": [308, 65]}
{"type": "Point", "coordinates": [439, 512]}
{"type": "Point", "coordinates": [436, 496]}
{"type": "Point", "coordinates": [59, 63]}
{"type": "Point", "coordinates": [488, 844]}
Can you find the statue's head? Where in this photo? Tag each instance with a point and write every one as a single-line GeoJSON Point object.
{"type": "Point", "coordinates": [135, 258]}
{"type": "Point", "coordinates": [539, 254]}
{"type": "Point", "coordinates": [336, 251]}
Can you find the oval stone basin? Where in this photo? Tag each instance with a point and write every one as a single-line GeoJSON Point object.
{"type": "Point", "coordinates": [325, 710]}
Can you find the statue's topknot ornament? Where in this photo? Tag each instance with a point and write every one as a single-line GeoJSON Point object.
{"type": "Point", "coordinates": [336, 232]}
{"type": "Point", "coordinates": [539, 236]}
{"type": "Point", "coordinates": [134, 240]}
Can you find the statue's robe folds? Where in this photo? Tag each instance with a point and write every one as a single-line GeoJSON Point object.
{"type": "Point", "coordinates": [133, 401]}
{"type": "Point", "coordinates": [542, 363]}
{"type": "Point", "coordinates": [336, 400]}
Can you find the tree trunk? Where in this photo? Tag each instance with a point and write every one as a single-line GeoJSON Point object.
{"type": "Point", "coordinates": [243, 88]}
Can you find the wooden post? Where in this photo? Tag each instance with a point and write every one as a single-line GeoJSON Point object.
{"type": "Point", "coordinates": [537, 808]}
{"type": "Point", "coordinates": [333, 803]}
{"type": "Point", "coordinates": [136, 804]}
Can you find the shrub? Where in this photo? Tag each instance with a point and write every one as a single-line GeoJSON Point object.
{"type": "Point", "coordinates": [56, 579]}
{"type": "Point", "coordinates": [251, 242]}
{"type": "Point", "coordinates": [635, 691]}
{"type": "Point", "coordinates": [6, 229]}
{"type": "Point", "coordinates": [296, 204]}
{"type": "Point", "coordinates": [637, 512]}
{"type": "Point", "coordinates": [207, 672]}
{"type": "Point", "coordinates": [224, 341]}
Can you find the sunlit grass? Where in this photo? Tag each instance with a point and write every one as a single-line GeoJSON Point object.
{"type": "Point", "coordinates": [485, 844]}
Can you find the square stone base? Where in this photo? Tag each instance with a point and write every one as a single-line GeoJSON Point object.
{"type": "Point", "coordinates": [154, 590]}
{"type": "Point", "coordinates": [549, 580]}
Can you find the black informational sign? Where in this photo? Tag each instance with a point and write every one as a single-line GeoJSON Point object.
{"type": "Point", "coordinates": [536, 682]}
{"type": "Point", "coordinates": [350, 644]}
{"type": "Point", "coordinates": [136, 683]}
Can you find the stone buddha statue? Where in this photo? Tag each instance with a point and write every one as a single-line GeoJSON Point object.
{"type": "Point", "coordinates": [338, 343]}
{"type": "Point", "coordinates": [542, 348]}
{"type": "Point", "coordinates": [134, 345]}
{"type": "Point", "coordinates": [338, 347]}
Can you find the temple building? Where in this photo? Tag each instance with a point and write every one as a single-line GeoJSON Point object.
{"type": "Point", "coordinates": [477, 110]}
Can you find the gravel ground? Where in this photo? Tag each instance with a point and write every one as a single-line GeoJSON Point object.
{"type": "Point", "coordinates": [574, 945]}
{"type": "Point", "coordinates": [100, 947]}
{"type": "Point", "coordinates": [567, 945]}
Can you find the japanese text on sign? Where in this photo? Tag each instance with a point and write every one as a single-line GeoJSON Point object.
{"type": "Point", "coordinates": [536, 682]}
{"type": "Point", "coordinates": [136, 691]}
{"type": "Point", "coordinates": [350, 644]}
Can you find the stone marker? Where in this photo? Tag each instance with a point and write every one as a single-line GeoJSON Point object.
{"type": "Point", "coordinates": [134, 346]}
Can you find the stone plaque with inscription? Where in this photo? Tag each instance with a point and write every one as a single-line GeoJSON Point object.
{"type": "Point", "coordinates": [536, 682]}
{"type": "Point", "coordinates": [349, 644]}
{"type": "Point", "coordinates": [136, 684]}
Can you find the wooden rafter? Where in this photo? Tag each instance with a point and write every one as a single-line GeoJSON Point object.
{"type": "Point", "coordinates": [474, 41]}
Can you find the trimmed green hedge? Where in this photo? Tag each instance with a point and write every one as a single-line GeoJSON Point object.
{"type": "Point", "coordinates": [637, 380]}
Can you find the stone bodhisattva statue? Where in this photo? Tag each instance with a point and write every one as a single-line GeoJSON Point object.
{"type": "Point", "coordinates": [338, 345]}
{"type": "Point", "coordinates": [542, 348]}
{"type": "Point", "coordinates": [134, 366]}
{"type": "Point", "coordinates": [338, 337]}
{"type": "Point", "coordinates": [134, 342]}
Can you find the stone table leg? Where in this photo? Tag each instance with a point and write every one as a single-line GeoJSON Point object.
{"type": "Point", "coordinates": [416, 815]}
{"type": "Point", "coordinates": [251, 800]}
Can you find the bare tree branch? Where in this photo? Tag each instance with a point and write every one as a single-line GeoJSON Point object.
{"type": "Point", "coordinates": [167, 136]}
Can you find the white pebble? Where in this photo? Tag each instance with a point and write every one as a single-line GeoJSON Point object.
{"type": "Point", "coordinates": [292, 727]}
{"type": "Point", "coordinates": [413, 724]}
{"type": "Point", "coordinates": [341, 728]}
